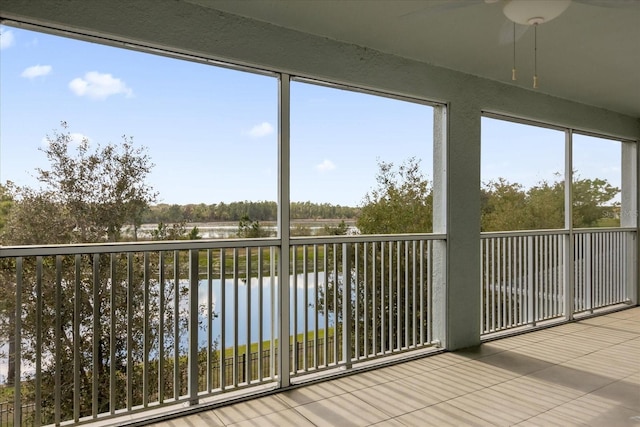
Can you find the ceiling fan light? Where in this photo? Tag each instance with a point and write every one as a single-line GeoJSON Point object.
{"type": "Point", "coordinates": [534, 12]}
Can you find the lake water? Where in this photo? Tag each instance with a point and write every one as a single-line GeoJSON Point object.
{"type": "Point", "coordinates": [248, 308]}
{"type": "Point", "coordinates": [245, 305]}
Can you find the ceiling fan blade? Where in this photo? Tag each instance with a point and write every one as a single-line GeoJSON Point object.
{"type": "Point", "coordinates": [506, 32]}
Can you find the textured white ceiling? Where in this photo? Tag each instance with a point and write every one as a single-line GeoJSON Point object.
{"type": "Point", "coordinates": [590, 54]}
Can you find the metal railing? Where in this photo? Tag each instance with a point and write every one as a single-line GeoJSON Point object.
{"type": "Point", "coordinates": [531, 276]}
{"type": "Point", "coordinates": [104, 330]}
{"type": "Point", "coordinates": [381, 306]}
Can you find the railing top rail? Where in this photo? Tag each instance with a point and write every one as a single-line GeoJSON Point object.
{"type": "Point", "coordinates": [515, 233]}
{"type": "Point", "coordinates": [120, 247]}
{"type": "Point", "coordinates": [490, 234]}
{"type": "Point", "coordinates": [150, 246]}
{"type": "Point", "coordinates": [359, 238]}
{"type": "Point", "coordinates": [603, 230]}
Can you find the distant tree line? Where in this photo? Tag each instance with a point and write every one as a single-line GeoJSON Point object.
{"type": "Point", "coordinates": [236, 211]}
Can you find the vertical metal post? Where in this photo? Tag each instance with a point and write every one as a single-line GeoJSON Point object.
{"type": "Point", "coordinates": [161, 326]}
{"type": "Point", "coordinates": [193, 326]}
{"type": "Point", "coordinates": [17, 392]}
{"type": "Point", "coordinates": [531, 294]}
{"type": "Point", "coordinates": [176, 324]}
{"type": "Point", "coordinates": [223, 319]}
{"type": "Point", "coordinates": [58, 337]}
{"type": "Point", "coordinates": [568, 278]}
{"type": "Point", "coordinates": [38, 379]}
{"type": "Point", "coordinates": [247, 348]}
{"type": "Point", "coordinates": [77, 365]}
{"type": "Point", "coordinates": [284, 351]}
{"type": "Point", "coordinates": [97, 335]}
{"type": "Point", "coordinates": [112, 334]}
{"type": "Point", "coordinates": [630, 205]}
{"type": "Point", "coordinates": [146, 331]}
{"type": "Point", "coordinates": [346, 304]}
{"type": "Point", "coordinates": [588, 275]}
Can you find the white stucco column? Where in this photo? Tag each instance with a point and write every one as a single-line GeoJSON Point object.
{"type": "Point", "coordinates": [456, 295]}
{"type": "Point", "coordinates": [629, 214]}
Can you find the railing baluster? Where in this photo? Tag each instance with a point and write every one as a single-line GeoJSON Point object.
{"type": "Point", "coordinates": [17, 356]}
{"type": "Point", "coordinates": [366, 299]}
{"type": "Point", "coordinates": [223, 320]}
{"type": "Point", "coordinates": [414, 313]}
{"type": "Point", "coordinates": [508, 283]}
{"type": "Point", "coordinates": [194, 257]}
{"type": "Point", "coordinates": [76, 338]}
{"type": "Point", "coordinates": [247, 349]}
{"type": "Point", "coordinates": [97, 334]}
{"type": "Point", "coordinates": [336, 338]}
{"type": "Point", "coordinates": [358, 303]}
{"type": "Point", "coordinates": [38, 379]}
{"type": "Point", "coordinates": [346, 305]}
{"type": "Point", "coordinates": [316, 287]}
{"type": "Point", "coordinates": [161, 326]}
{"type": "Point", "coordinates": [326, 304]}
{"type": "Point", "coordinates": [176, 325]}
{"type": "Point", "coordinates": [145, 332]}
{"type": "Point", "coordinates": [58, 349]}
{"type": "Point", "coordinates": [294, 306]}
{"type": "Point", "coordinates": [236, 317]}
{"type": "Point", "coordinates": [209, 325]}
{"type": "Point", "coordinates": [305, 299]}
{"type": "Point", "coordinates": [260, 312]}
{"type": "Point", "coordinates": [383, 323]}
{"type": "Point", "coordinates": [390, 297]}
{"type": "Point", "coordinates": [398, 303]}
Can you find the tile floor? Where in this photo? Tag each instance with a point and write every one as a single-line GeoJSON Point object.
{"type": "Point", "coordinates": [585, 373]}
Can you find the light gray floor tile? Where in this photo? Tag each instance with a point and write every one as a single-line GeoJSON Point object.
{"type": "Point", "coordinates": [585, 373]}
{"type": "Point", "coordinates": [395, 398]}
{"type": "Point", "coordinates": [310, 393]}
{"type": "Point", "coordinates": [345, 410]}
{"type": "Point", "coordinates": [442, 414]}
{"type": "Point", "coordinates": [625, 393]}
{"type": "Point", "coordinates": [595, 411]}
{"type": "Point", "coordinates": [286, 418]}
{"type": "Point", "coordinates": [250, 409]}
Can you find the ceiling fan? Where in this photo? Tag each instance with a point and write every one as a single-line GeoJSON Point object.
{"type": "Point", "coordinates": [524, 14]}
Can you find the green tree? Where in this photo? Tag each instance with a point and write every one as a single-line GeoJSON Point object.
{"type": "Point", "coordinates": [338, 230]}
{"type": "Point", "coordinates": [593, 201]}
{"type": "Point", "coordinates": [89, 194]}
{"type": "Point", "coordinates": [508, 206]}
{"type": "Point", "coordinates": [401, 203]}
{"type": "Point", "coordinates": [102, 188]}
{"type": "Point", "coordinates": [248, 229]}
{"type": "Point", "coordinates": [6, 202]}
{"type": "Point", "coordinates": [504, 206]}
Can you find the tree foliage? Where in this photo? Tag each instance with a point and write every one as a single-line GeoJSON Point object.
{"type": "Point", "coordinates": [249, 229]}
{"type": "Point", "coordinates": [234, 211]}
{"type": "Point", "coordinates": [101, 188]}
{"type": "Point", "coordinates": [88, 194]}
{"type": "Point", "coordinates": [508, 206]}
{"type": "Point", "coordinates": [402, 202]}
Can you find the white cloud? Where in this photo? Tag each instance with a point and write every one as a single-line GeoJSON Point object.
{"type": "Point", "coordinates": [36, 71]}
{"type": "Point", "coordinates": [325, 166]}
{"type": "Point", "coordinates": [6, 39]}
{"type": "Point", "coordinates": [263, 129]}
{"type": "Point", "coordinates": [97, 85]}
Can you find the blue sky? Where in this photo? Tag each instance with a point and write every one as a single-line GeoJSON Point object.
{"type": "Point", "coordinates": [212, 132]}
